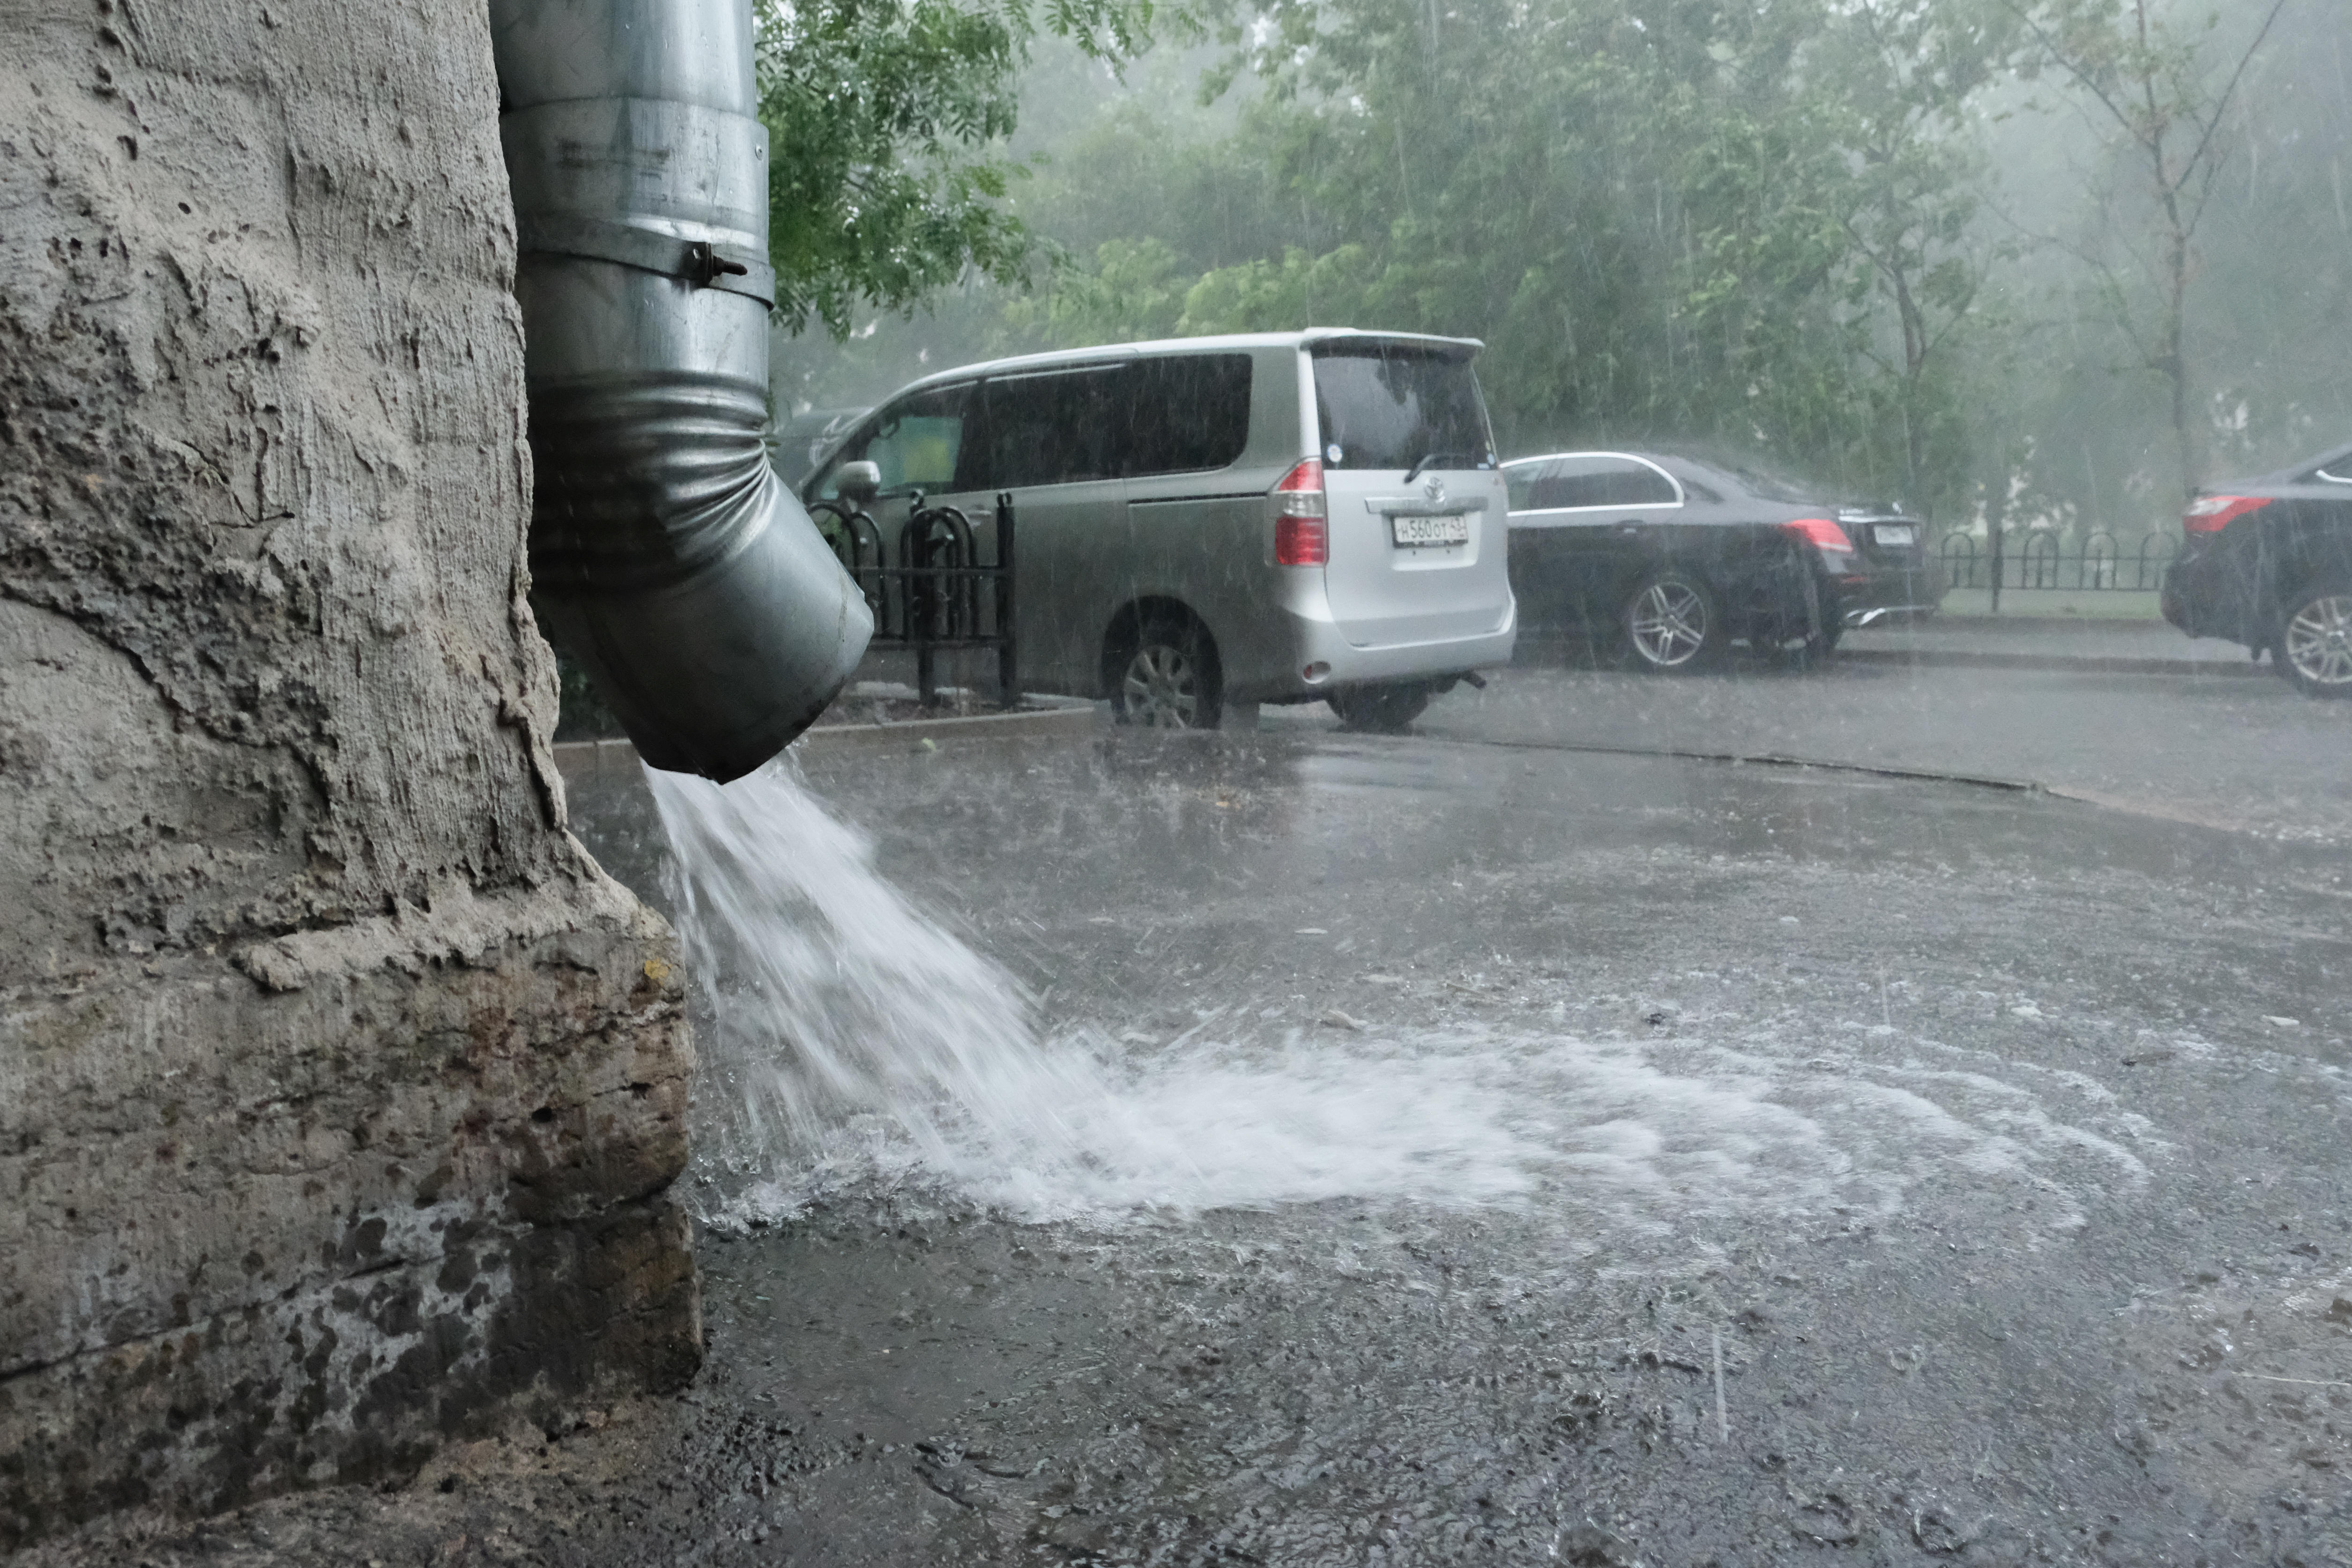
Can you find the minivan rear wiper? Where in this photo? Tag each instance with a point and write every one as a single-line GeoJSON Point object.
{"type": "Point", "coordinates": [1432, 459]}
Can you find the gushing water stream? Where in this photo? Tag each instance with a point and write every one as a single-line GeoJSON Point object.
{"type": "Point", "coordinates": [848, 1036]}
{"type": "Point", "coordinates": [849, 1040]}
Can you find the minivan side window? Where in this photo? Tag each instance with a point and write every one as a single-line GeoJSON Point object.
{"type": "Point", "coordinates": [1185, 413]}
{"type": "Point", "coordinates": [918, 442]}
{"type": "Point", "coordinates": [1053, 427]}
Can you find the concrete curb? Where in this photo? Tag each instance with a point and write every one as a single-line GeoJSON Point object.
{"type": "Point", "coordinates": [2088, 663]}
{"type": "Point", "coordinates": [595, 756]}
{"type": "Point", "coordinates": [1997, 623]}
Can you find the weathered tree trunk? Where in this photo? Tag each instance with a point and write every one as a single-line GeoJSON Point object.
{"type": "Point", "coordinates": [339, 1088]}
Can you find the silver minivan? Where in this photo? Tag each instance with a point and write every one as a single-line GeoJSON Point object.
{"type": "Point", "coordinates": [1213, 522]}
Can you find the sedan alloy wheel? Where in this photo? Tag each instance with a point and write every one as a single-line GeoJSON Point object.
{"type": "Point", "coordinates": [2315, 645]}
{"type": "Point", "coordinates": [1670, 623]}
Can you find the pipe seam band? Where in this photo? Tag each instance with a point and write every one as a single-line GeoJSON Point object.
{"type": "Point", "coordinates": [707, 264]}
{"type": "Point", "coordinates": [677, 189]}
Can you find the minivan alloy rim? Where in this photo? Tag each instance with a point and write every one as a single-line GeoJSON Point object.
{"type": "Point", "coordinates": [2319, 641]}
{"type": "Point", "coordinates": [1669, 624]}
{"type": "Point", "coordinates": [1161, 688]}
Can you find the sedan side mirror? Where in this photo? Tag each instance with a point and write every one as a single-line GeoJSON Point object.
{"type": "Point", "coordinates": [858, 482]}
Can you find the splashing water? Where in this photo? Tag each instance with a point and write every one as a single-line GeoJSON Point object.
{"type": "Point", "coordinates": [846, 1036]}
{"type": "Point", "coordinates": [829, 997]}
{"type": "Point", "coordinates": [848, 1040]}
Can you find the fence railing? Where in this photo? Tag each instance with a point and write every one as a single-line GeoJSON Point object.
{"type": "Point", "coordinates": [2041, 558]}
{"type": "Point", "coordinates": [928, 590]}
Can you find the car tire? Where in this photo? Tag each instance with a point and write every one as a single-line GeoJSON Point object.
{"type": "Point", "coordinates": [1672, 625]}
{"type": "Point", "coordinates": [1164, 676]}
{"type": "Point", "coordinates": [1381, 710]}
{"type": "Point", "coordinates": [2314, 646]}
{"type": "Point", "coordinates": [1810, 648]}
{"type": "Point", "coordinates": [1809, 652]}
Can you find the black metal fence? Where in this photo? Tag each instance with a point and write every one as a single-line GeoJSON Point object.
{"type": "Point", "coordinates": [2041, 558]}
{"type": "Point", "coordinates": [928, 590]}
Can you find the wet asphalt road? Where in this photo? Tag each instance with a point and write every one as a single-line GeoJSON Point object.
{"type": "Point", "coordinates": [1864, 1169]}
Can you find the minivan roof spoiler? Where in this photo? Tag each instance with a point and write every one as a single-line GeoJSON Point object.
{"type": "Point", "coordinates": [1463, 348]}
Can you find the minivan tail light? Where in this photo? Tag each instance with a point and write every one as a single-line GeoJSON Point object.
{"type": "Point", "coordinates": [2211, 514]}
{"type": "Point", "coordinates": [1820, 531]}
{"type": "Point", "coordinates": [1301, 535]}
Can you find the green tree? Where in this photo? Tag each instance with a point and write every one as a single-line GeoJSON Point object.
{"type": "Point", "coordinates": [888, 122]}
{"type": "Point", "coordinates": [2166, 97]}
{"type": "Point", "coordinates": [1748, 223]}
{"type": "Point", "coordinates": [1903, 79]}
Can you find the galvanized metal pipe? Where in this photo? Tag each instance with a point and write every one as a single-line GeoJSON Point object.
{"type": "Point", "coordinates": [665, 555]}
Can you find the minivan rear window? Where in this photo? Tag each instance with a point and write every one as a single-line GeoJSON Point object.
{"type": "Point", "coordinates": [1389, 405]}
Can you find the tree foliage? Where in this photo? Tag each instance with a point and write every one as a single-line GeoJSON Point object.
{"type": "Point", "coordinates": [887, 123]}
{"type": "Point", "coordinates": [1745, 224]}
{"type": "Point", "coordinates": [2166, 97]}
{"type": "Point", "coordinates": [1843, 233]}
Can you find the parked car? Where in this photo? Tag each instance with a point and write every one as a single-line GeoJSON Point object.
{"type": "Point", "coordinates": [1669, 559]}
{"type": "Point", "coordinates": [1276, 518]}
{"type": "Point", "coordinates": [2268, 562]}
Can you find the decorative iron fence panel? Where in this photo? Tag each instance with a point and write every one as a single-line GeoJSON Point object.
{"type": "Point", "coordinates": [931, 593]}
{"type": "Point", "coordinates": [2040, 559]}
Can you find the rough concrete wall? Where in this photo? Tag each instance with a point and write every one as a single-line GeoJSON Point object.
{"type": "Point", "coordinates": [337, 1086]}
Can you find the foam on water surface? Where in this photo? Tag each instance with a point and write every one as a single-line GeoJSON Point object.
{"type": "Point", "coordinates": [850, 1042]}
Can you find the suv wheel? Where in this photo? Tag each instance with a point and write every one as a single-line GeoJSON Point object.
{"type": "Point", "coordinates": [2314, 640]}
{"type": "Point", "coordinates": [1672, 625]}
{"type": "Point", "coordinates": [1384, 709]}
{"type": "Point", "coordinates": [1166, 677]}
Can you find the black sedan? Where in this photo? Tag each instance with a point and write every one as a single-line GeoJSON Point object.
{"type": "Point", "coordinates": [1671, 560]}
{"type": "Point", "coordinates": [2268, 562]}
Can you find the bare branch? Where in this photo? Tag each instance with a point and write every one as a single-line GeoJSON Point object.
{"type": "Point", "coordinates": [2080, 73]}
{"type": "Point", "coordinates": [2222, 104]}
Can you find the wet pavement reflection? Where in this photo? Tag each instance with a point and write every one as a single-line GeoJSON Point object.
{"type": "Point", "coordinates": [1965, 1125]}
{"type": "Point", "coordinates": [1516, 1152]}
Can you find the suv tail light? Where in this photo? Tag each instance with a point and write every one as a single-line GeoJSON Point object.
{"type": "Point", "coordinates": [1301, 535]}
{"type": "Point", "coordinates": [1821, 532]}
{"type": "Point", "coordinates": [2211, 514]}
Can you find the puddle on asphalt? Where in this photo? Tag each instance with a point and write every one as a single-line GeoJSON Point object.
{"type": "Point", "coordinates": [853, 1045]}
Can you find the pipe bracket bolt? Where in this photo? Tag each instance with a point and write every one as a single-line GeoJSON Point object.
{"type": "Point", "coordinates": [706, 266]}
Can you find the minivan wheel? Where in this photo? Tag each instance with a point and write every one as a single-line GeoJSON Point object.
{"type": "Point", "coordinates": [1382, 709]}
{"type": "Point", "coordinates": [2314, 640]}
{"type": "Point", "coordinates": [1167, 678]}
{"type": "Point", "coordinates": [1672, 625]}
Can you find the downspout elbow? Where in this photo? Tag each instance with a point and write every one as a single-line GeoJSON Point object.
{"type": "Point", "coordinates": [666, 555]}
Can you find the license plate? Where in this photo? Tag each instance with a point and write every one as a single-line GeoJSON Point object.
{"type": "Point", "coordinates": [1450, 530]}
{"type": "Point", "coordinates": [1895, 535]}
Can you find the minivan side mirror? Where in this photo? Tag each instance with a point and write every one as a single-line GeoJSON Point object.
{"type": "Point", "coordinates": [858, 482]}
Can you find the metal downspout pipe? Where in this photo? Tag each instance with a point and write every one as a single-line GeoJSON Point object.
{"type": "Point", "coordinates": [666, 555]}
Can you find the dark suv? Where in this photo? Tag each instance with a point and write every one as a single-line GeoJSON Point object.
{"type": "Point", "coordinates": [2268, 563]}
